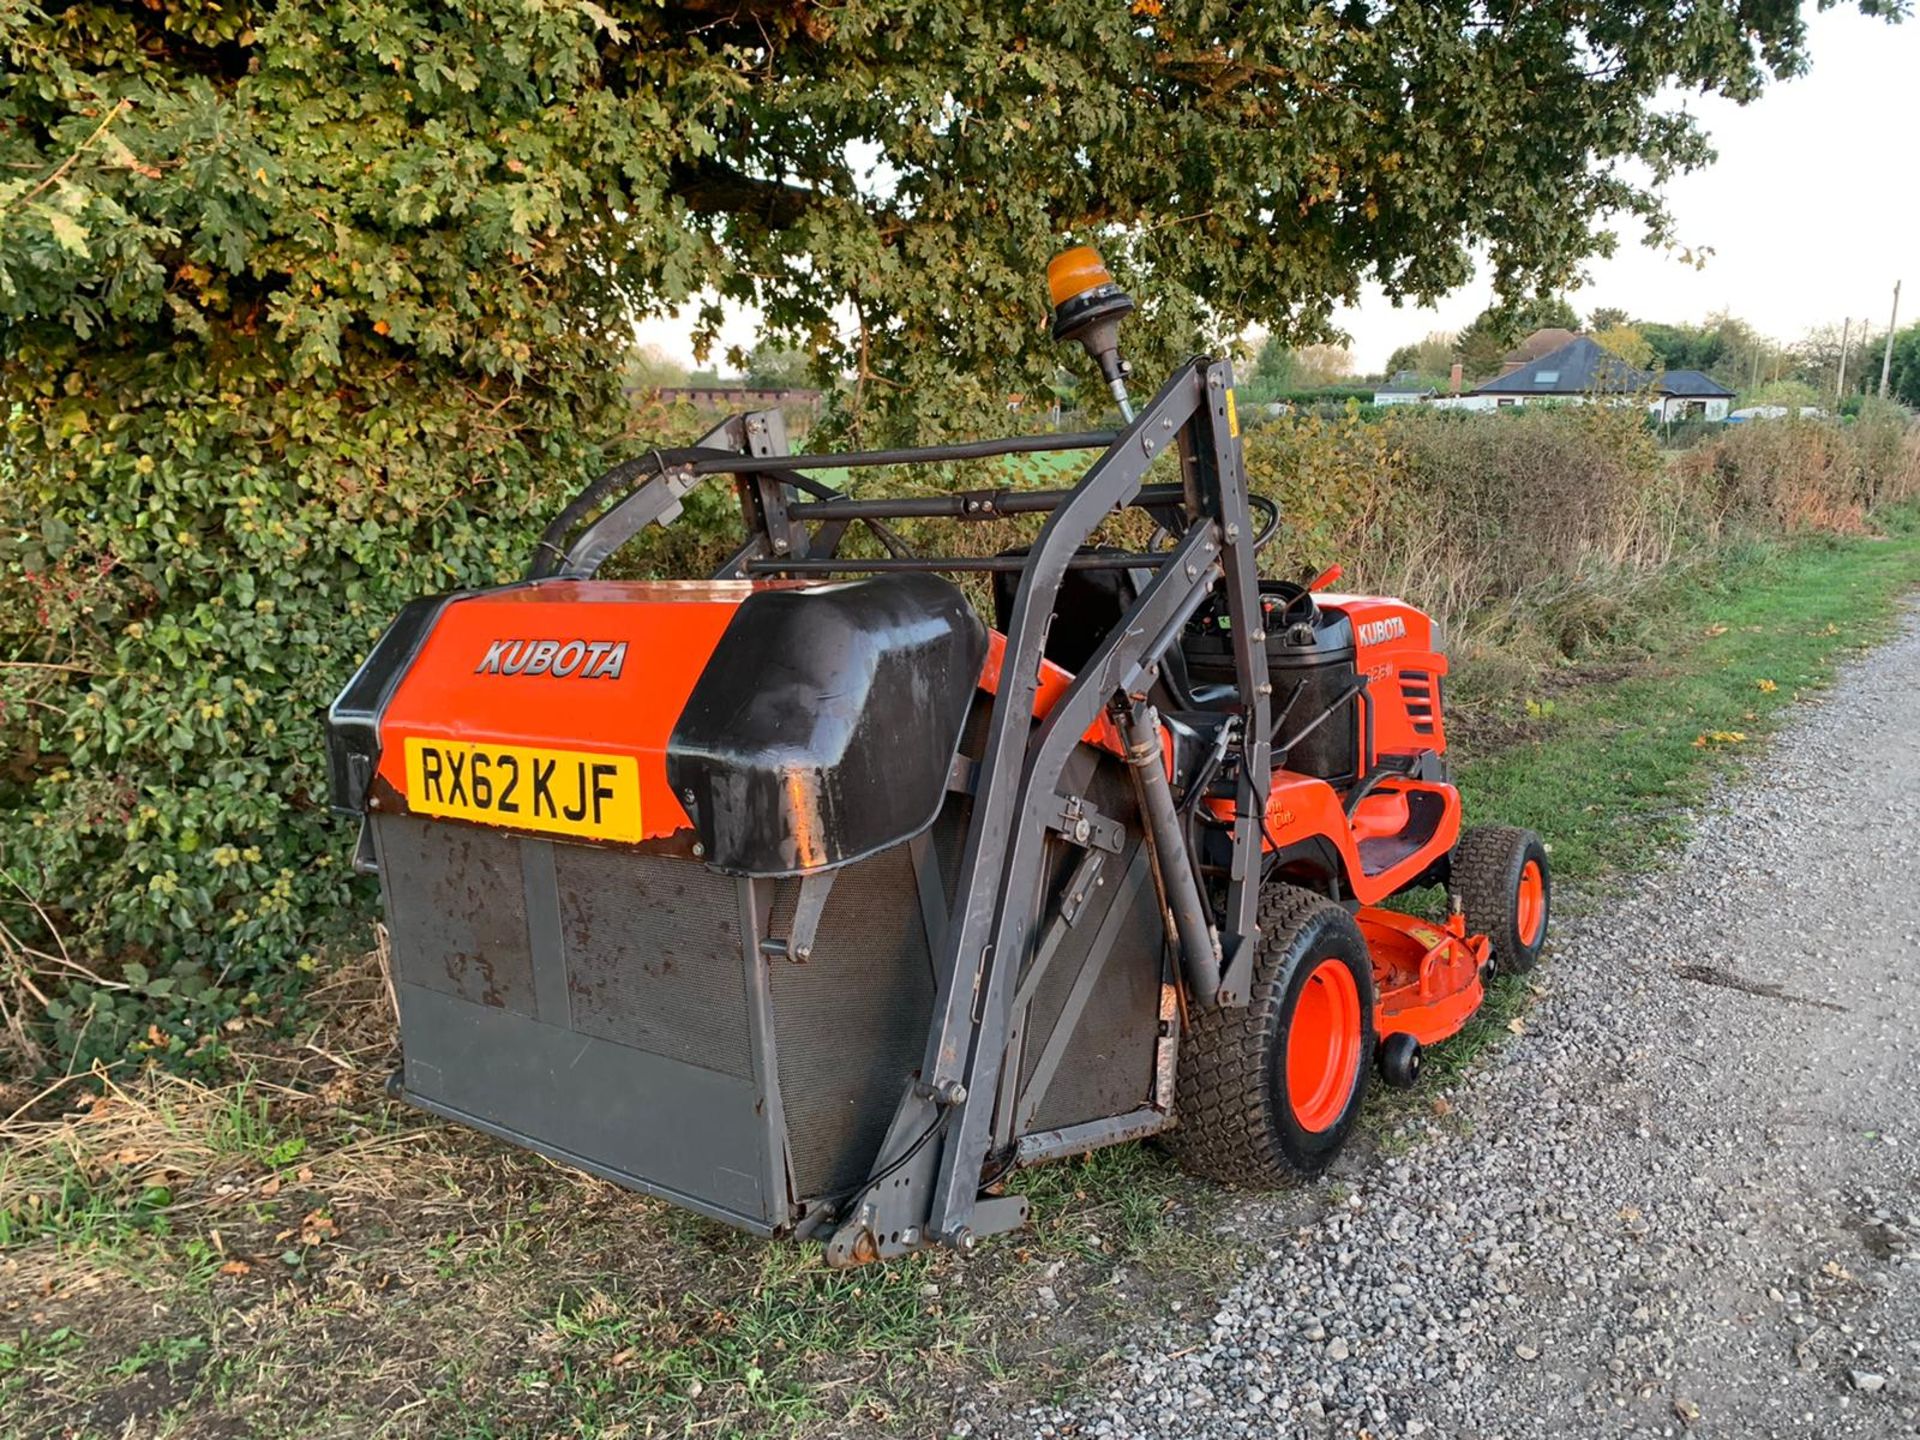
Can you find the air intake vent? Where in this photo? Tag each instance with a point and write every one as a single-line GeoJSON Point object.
{"type": "Point", "coordinates": [1417, 692]}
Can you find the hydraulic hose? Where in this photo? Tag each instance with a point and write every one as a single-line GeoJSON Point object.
{"type": "Point", "coordinates": [1199, 945]}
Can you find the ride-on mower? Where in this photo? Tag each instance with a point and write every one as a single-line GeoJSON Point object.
{"type": "Point", "coordinates": [805, 898]}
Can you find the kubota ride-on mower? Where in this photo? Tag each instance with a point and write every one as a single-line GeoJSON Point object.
{"type": "Point", "coordinates": [807, 899]}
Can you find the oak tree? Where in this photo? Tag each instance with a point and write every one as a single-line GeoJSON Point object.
{"type": "Point", "coordinates": [308, 308]}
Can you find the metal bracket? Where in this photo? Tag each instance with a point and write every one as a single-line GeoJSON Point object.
{"type": "Point", "coordinates": [964, 776]}
{"type": "Point", "coordinates": [1077, 820]}
{"type": "Point", "coordinates": [365, 861]}
{"type": "Point", "coordinates": [807, 909]}
{"type": "Point", "coordinates": [1236, 976]}
{"type": "Point", "coordinates": [765, 432]}
{"type": "Point", "coordinates": [1038, 1145]}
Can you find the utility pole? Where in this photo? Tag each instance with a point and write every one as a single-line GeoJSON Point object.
{"type": "Point", "coordinates": [1886, 356]}
{"type": "Point", "coordinates": [1840, 374]}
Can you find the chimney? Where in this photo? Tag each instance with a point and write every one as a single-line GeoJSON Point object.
{"type": "Point", "coordinates": [1453, 379]}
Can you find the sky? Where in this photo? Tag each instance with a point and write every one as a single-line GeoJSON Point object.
{"type": "Point", "coordinates": [1812, 210]}
{"type": "Point", "coordinates": [1811, 213]}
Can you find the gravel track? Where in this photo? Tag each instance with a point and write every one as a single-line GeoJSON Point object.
{"type": "Point", "coordinates": [1685, 1201]}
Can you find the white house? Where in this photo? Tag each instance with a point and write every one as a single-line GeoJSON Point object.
{"type": "Point", "coordinates": [1689, 395]}
{"type": "Point", "coordinates": [1405, 388]}
{"type": "Point", "coordinates": [1581, 371]}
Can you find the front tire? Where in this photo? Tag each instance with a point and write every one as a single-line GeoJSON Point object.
{"type": "Point", "coordinates": [1269, 1092]}
{"type": "Point", "coordinates": [1503, 886]}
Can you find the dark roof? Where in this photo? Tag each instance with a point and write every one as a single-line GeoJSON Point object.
{"type": "Point", "coordinates": [1580, 367]}
{"type": "Point", "coordinates": [1692, 382]}
{"type": "Point", "coordinates": [1405, 382]}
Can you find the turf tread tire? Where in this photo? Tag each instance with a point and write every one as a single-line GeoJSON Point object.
{"type": "Point", "coordinates": [1225, 1094]}
{"type": "Point", "coordinates": [1486, 878]}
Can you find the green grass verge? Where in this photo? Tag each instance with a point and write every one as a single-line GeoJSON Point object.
{"type": "Point", "coordinates": [1617, 756]}
{"type": "Point", "coordinates": [1614, 764]}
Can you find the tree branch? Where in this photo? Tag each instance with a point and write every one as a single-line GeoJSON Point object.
{"type": "Point", "coordinates": [712, 187]}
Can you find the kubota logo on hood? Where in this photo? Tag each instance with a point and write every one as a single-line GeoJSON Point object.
{"type": "Point", "coordinates": [587, 659]}
{"type": "Point", "coordinates": [1375, 632]}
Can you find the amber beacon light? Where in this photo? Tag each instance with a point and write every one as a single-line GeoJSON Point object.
{"type": "Point", "coordinates": [1088, 307]}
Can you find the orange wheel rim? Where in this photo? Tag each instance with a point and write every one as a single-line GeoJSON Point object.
{"type": "Point", "coordinates": [1531, 911]}
{"type": "Point", "coordinates": [1323, 1046]}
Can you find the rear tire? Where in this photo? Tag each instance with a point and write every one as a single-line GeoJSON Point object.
{"type": "Point", "coordinates": [1269, 1092]}
{"type": "Point", "coordinates": [1502, 883]}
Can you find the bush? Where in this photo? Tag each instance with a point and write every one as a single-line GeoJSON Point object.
{"type": "Point", "coordinates": [296, 327]}
{"type": "Point", "coordinates": [1538, 528]}
{"type": "Point", "coordinates": [1797, 475]}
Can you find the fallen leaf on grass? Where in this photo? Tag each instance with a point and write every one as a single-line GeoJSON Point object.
{"type": "Point", "coordinates": [1718, 737]}
{"type": "Point", "coordinates": [1765, 687]}
{"type": "Point", "coordinates": [236, 1267]}
{"type": "Point", "coordinates": [271, 1188]}
{"type": "Point", "coordinates": [1715, 630]}
{"type": "Point", "coordinates": [1517, 1025]}
{"type": "Point", "coordinates": [316, 1229]}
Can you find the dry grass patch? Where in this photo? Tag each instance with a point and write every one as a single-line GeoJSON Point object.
{"type": "Point", "coordinates": [292, 1254]}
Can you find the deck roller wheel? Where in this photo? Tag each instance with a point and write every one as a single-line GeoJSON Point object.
{"type": "Point", "coordinates": [1400, 1060]}
{"type": "Point", "coordinates": [1268, 1092]}
{"type": "Point", "coordinates": [1502, 884]}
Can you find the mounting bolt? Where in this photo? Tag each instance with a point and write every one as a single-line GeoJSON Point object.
{"type": "Point", "coordinates": [687, 795]}
{"type": "Point", "coordinates": [1166, 422]}
{"type": "Point", "coordinates": [1258, 637]}
{"type": "Point", "coordinates": [802, 954]}
{"type": "Point", "coordinates": [949, 1092]}
{"type": "Point", "coordinates": [1081, 830]}
{"type": "Point", "coordinates": [1213, 380]}
{"type": "Point", "coordinates": [698, 850]}
{"type": "Point", "coordinates": [373, 802]}
{"type": "Point", "coordinates": [1264, 688]}
{"type": "Point", "coordinates": [963, 1239]}
{"type": "Point", "coordinates": [1233, 533]}
{"type": "Point", "coordinates": [1146, 444]}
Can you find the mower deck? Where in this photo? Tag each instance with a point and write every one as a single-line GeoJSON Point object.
{"type": "Point", "coordinates": [1426, 977]}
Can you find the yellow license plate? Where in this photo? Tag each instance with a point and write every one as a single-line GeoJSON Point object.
{"type": "Point", "coordinates": [565, 792]}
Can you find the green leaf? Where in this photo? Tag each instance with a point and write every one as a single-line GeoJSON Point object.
{"type": "Point", "coordinates": [69, 232]}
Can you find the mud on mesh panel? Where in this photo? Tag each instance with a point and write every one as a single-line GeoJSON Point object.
{"type": "Point", "coordinates": [851, 1023]}
{"type": "Point", "coordinates": [456, 911]}
{"type": "Point", "coordinates": [652, 946]}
